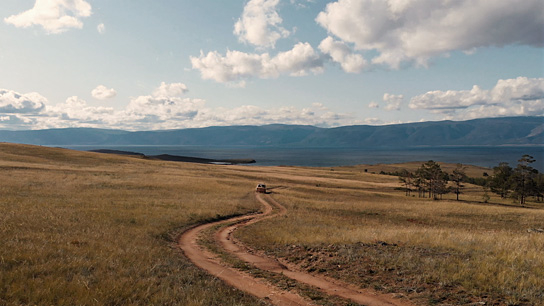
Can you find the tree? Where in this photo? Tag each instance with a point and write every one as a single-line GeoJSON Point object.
{"type": "Point", "coordinates": [501, 181]}
{"type": "Point", "coordinates": [441, 186]}
{"type": "Point", "coordinates": [523, 179]}
{"type": "Point", "coordinates": [407, 179]}
{"type": "Point", "coordinates": [458, 176]}
{"type": "Point", "coordinates": [539, 187]}
{"type": "Point", "coordinates": [419, 184]}
{"type": "Point", "coordinates": [432, 177]}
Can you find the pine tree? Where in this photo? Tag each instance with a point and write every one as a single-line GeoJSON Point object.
{"type": "Point", "coordinates": [539, 187]}
{"type": "Point", "coordinates": [407, 179]}
{"type": "Point", "coordinates": [431, 176]}
{"type": "Point", "coordinates": [524, 179]}
{"type": "Point", "coordinates": [501, 181]}
{"type": "Point", "coordinates": [458, 176]}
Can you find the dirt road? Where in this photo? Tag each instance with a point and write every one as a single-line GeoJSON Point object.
{"type": "Point", "coordinates": [257, 287]}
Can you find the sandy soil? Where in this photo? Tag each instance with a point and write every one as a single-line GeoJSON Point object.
{"type": "Point", "coordinates": [206, 260]}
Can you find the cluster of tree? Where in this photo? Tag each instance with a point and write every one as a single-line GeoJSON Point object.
{"type": "Point", "coordinates": [520, 183]}
{"type": "Point", "coordinates": [429, 180]}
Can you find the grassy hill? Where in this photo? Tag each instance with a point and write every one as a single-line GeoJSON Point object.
{"type": "Point", "coordinates": [81, 228]}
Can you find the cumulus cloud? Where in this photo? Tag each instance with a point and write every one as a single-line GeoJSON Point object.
{"type": "Point", "coordinates": [392, 102]}
{"type": "Point", "coordinates": [170, 90]}
{"type": "Point", "coordinates": [236, 66]}
{"type": "Point", "coordinates": [55, 16]}
{"type": "Point", "coordinates": [342, 54]}
{"type": "Point", "coordinates": [260, 24]}
{"type": "Point", "coordinates": [77, 110]}
{"type": "Point", "coordinates": [512, 97]}
{"type": "Point", "coordinates": [150, 109]}
{"type": "Point", "coordinates": [12, 102]}
{"type": "Point", "coordinates": [417, 30]}
{"type": "Point", "coordinates": [101, 92]}
{"type": "Point", "coordinates": [101, 28]}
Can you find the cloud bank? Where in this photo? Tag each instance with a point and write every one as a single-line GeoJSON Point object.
{"type": "Point", "coordinates": [165, 108]}
{"type": "Point", "coordinates": [512, 97]}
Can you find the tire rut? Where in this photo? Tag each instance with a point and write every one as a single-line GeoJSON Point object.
{"type": "Point", "coordinates": [208, 261]}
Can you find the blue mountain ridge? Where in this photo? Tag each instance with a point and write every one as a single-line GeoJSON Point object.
{"type": "Point", "coordinates": [477, 132]}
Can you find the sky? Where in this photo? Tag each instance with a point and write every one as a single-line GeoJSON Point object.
{"type": "Point", "coordinates": [172, 64]}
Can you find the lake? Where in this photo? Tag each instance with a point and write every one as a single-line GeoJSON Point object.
{"type": "Point", "coordinates": [329, 157]}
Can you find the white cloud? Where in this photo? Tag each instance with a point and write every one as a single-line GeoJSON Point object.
{"type": "Point", "coordinates": [153, 109]}
{"type": "Point", "coordinates": [12, 102]}
{"type": "Point", "coordinates": [374, 121]}
{"type": "Point", "coordinates": [236, 66]}
{"type": "Point", "coordinates": [301, 3]}
{"type": "Point", "coordinates": [17, 121]}
{"type": "Point", "coordinates": [373, 105]}
{"type": "Point", "coordinates": [392, 102]}
{"type": "Point", "coordinates": [512, 97]}
{"type": "Point", "coordinates": [418, 30]}
{"type": "Point", "coordinates": [101, 28]}
{"type": "Point", "coordinates": [260, 23]}
{"type": "Point", "coordinates": [76, 109]}
{"type": "Point", "coordinates": [170, 90]}
{"type": "Point", "coordinates": [342, 54]}
{"type": "Point", "coordinates": [451, 99]}
{"type": "Point", "coordinates": [316, 114]}
{"type": "Point", "coordinates": [164, 109]}
{"type": "Point", "coordinates": [101, 92]}
{"type": "Point", "coordinates": [55, 16]}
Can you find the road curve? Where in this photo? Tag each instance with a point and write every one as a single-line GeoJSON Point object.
{"type": "Point", "coordinates": [327, 285]}
{"type": "Point", "coordinates": [188, 242]}
{"type": "Point", "coordinates": [208, 261]}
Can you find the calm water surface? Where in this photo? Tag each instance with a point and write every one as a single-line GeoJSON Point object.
{"type": "Point", "coordinates": [329, 157]}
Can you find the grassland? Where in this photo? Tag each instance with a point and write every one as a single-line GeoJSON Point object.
{"type": "Point", "coordinates": [82, 228]}
{"type": "Point", "coordinates": [90, 229]}
{"type": "Point", "coordinates": [436, 252]}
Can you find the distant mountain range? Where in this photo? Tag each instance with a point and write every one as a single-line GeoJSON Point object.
{"type": "Point", "coordinates": [491, 131]}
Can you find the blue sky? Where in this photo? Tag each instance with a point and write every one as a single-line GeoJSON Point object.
{"type": "Point", "coordinates": [165, 64]}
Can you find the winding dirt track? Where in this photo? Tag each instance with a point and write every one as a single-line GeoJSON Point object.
{"type": "Point", "coordinates": [257, 287]}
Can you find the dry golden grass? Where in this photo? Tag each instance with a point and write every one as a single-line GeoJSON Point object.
{"type": "Point", "coordinates": [87, 229]}
{"type": "Point", "coordinates": [82, 228]}
{"type": "Point", "coordinates": [483, 250]}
